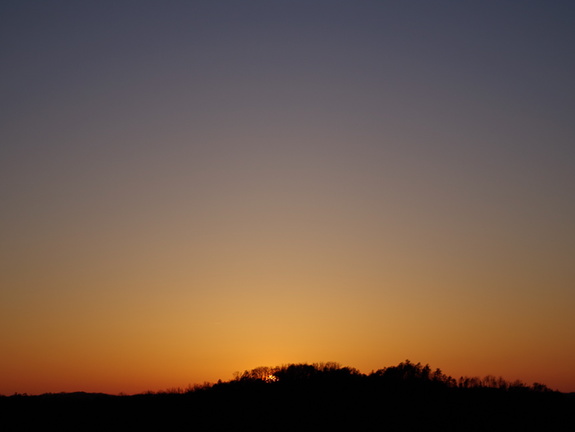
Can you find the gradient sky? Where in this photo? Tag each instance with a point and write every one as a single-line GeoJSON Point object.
{"type": "Point", "coordinates": [193, 188]}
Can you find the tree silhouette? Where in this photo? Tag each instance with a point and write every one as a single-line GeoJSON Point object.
{"type": "Point", "coordinates": [318, 396]}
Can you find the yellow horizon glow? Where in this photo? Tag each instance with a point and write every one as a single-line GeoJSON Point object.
{"type": "Point", "coordinates": [193, 190]}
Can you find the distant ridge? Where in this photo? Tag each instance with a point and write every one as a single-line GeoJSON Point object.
{"type": "Point", "coordinates": [320, 396]}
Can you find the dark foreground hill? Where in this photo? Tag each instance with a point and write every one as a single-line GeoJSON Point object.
{"type": "Point", "coordinates": [303, 397]}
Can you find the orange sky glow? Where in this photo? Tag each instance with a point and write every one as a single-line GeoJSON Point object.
{"type": "Point", "coordinates": [193, 190]}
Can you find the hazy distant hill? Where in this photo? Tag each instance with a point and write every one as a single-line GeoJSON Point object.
{"type": "Point", "coordinates": [307, 397]}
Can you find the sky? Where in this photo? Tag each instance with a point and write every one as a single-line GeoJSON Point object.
{"type": "Point", "coordinates": [194, 188]}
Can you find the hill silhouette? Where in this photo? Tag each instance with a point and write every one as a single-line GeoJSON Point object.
{"type": "Point", "coordinates": [321, 396]}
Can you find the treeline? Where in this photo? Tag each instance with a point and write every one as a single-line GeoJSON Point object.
{"type": "Point", "coordinates": [319, 396]}
{"type": "Point", "coordinates": [405, 373]}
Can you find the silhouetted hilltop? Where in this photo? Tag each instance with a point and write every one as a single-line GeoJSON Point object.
{"type": "Point", "coordinates": [299, 397]}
